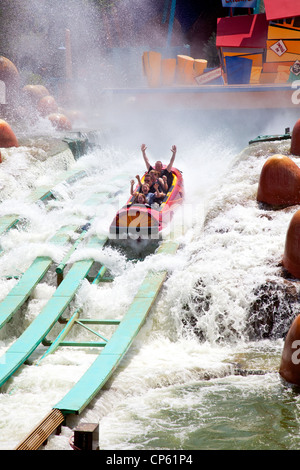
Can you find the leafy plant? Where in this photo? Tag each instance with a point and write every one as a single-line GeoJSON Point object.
{"type": "Point", "coordinates": [211, 52]}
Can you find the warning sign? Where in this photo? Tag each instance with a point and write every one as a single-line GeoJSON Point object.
{"type": "Point", "coordinates": [279, 48]}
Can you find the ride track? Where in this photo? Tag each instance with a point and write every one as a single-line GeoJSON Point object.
{"type": "Point", "coordinates": [112, 350]}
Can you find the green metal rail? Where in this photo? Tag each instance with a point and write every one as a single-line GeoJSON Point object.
{"type": "Point", "coordinates": [44, 192]}
{"type": "Point", "coordinates": [7, 222]}
{"type": "Point", "coordinates": [99, 372]}
{"type": "Point", "coordinates": [108, 360]}
{"type": "Point", "coordinates": [33, 275]}
{"type": "Point", "coordinates": [41, 193]}
{"type": "Point", "coordinates": [70, 323]}
{"type": "Point", "coordinates": [35, 333]}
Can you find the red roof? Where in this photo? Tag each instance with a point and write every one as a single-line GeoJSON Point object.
{"type": "Point", "coordinates": [278, 9]}
{"type": "Point", "coordinates": [242, 31]}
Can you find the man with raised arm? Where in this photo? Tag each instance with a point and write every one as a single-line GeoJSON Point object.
{"type": "Point", "coordinates": [159, 166]}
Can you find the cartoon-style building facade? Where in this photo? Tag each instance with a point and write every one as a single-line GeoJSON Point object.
{"type": "Point", "coordinates": [261, 48]}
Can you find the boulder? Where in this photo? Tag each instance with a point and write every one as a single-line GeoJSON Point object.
{"type": "Point", "coordinates": [7, 136]}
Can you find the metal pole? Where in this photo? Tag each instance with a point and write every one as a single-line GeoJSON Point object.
{"type": "Point", "coordinates": [171, 22]}
{"type": "Point", "coordinates": [257, 7]}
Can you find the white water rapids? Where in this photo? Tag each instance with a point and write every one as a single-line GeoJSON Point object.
{"type": "Point", "coordinates": [173, 390]}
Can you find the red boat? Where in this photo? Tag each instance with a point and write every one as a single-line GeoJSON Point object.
{"type": "Point", "coordinates": [141, 221]}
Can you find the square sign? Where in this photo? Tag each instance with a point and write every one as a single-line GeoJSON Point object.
{"type": "Point", "coordinates": [279, 48]}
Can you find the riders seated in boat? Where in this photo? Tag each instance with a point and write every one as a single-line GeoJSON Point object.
{"type": "Point", "coordinates": [147, 179]}
{"type": "Point", "coordinates": [150, 197]}
{"type": "Point", "coordinates": [156, 185]}
{"type": "Point", "coordinates": [144, 190]}
{"type": "Point", "coordinates": [152, 178]}
{"type": "Point", "coordinates": [159, 166]}
{"type": "Point", "coordinates": [156, 180]}
{"type": "Point", "coordinates": [140, 198]}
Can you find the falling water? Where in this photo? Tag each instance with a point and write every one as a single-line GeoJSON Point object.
{"type": "Point", "coordinates": [178, 386]}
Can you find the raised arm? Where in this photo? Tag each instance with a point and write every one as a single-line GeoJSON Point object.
{"type": "Point", "coordinates": [164, 183]}
{"type": "Point", "coordinates": [131, 187]}
{"type": "Point", "coordinates": [143, 149]}
{"type": "Point", "coordinates": [138, 180]}
{"type": "Point", "coordinates": [158, 193]}
{"type": "Point", "coordinates": [173, 150]}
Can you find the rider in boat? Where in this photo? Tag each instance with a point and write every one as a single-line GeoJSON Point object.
{"type": "Point", "coordinates": [150, 197]}
{"type": "Point", "coordinates": [159, 166]}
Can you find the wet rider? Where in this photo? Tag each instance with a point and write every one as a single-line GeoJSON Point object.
{"type": "Point", "coordinates": [152, 178]}
{"type": "Point", "coordinates": [149, 197]}
{"type": "Point", "coordinates": [159, 166]}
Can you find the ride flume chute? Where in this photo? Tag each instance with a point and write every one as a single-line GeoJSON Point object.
{"type": "Point", "coordinates": [42, 193]}
{"type": "Point", "coordinates": [112, 352]}
{"type": "Point", "coordinates": [38, 329]}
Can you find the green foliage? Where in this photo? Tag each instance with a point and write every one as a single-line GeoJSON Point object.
{"type": "Point", "coordinates": [261, 6]}
{"type": "Point", "coordinates": [211, 52]}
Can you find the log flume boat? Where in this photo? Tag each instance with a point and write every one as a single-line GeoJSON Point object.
{"type": "Point", "coordinates": [141, 221]}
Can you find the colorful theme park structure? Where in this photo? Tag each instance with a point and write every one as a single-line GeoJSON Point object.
{"type": "Point", "coordinates": [254, 48]}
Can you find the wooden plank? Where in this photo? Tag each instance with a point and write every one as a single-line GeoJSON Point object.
{"type": "Point", "coordinates": [24, 346]}
{"type": "Point", "coordinates": [42, 431]}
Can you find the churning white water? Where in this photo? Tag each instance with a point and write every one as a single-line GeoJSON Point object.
{"type": "Point", "coordinates": [176, 387]}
